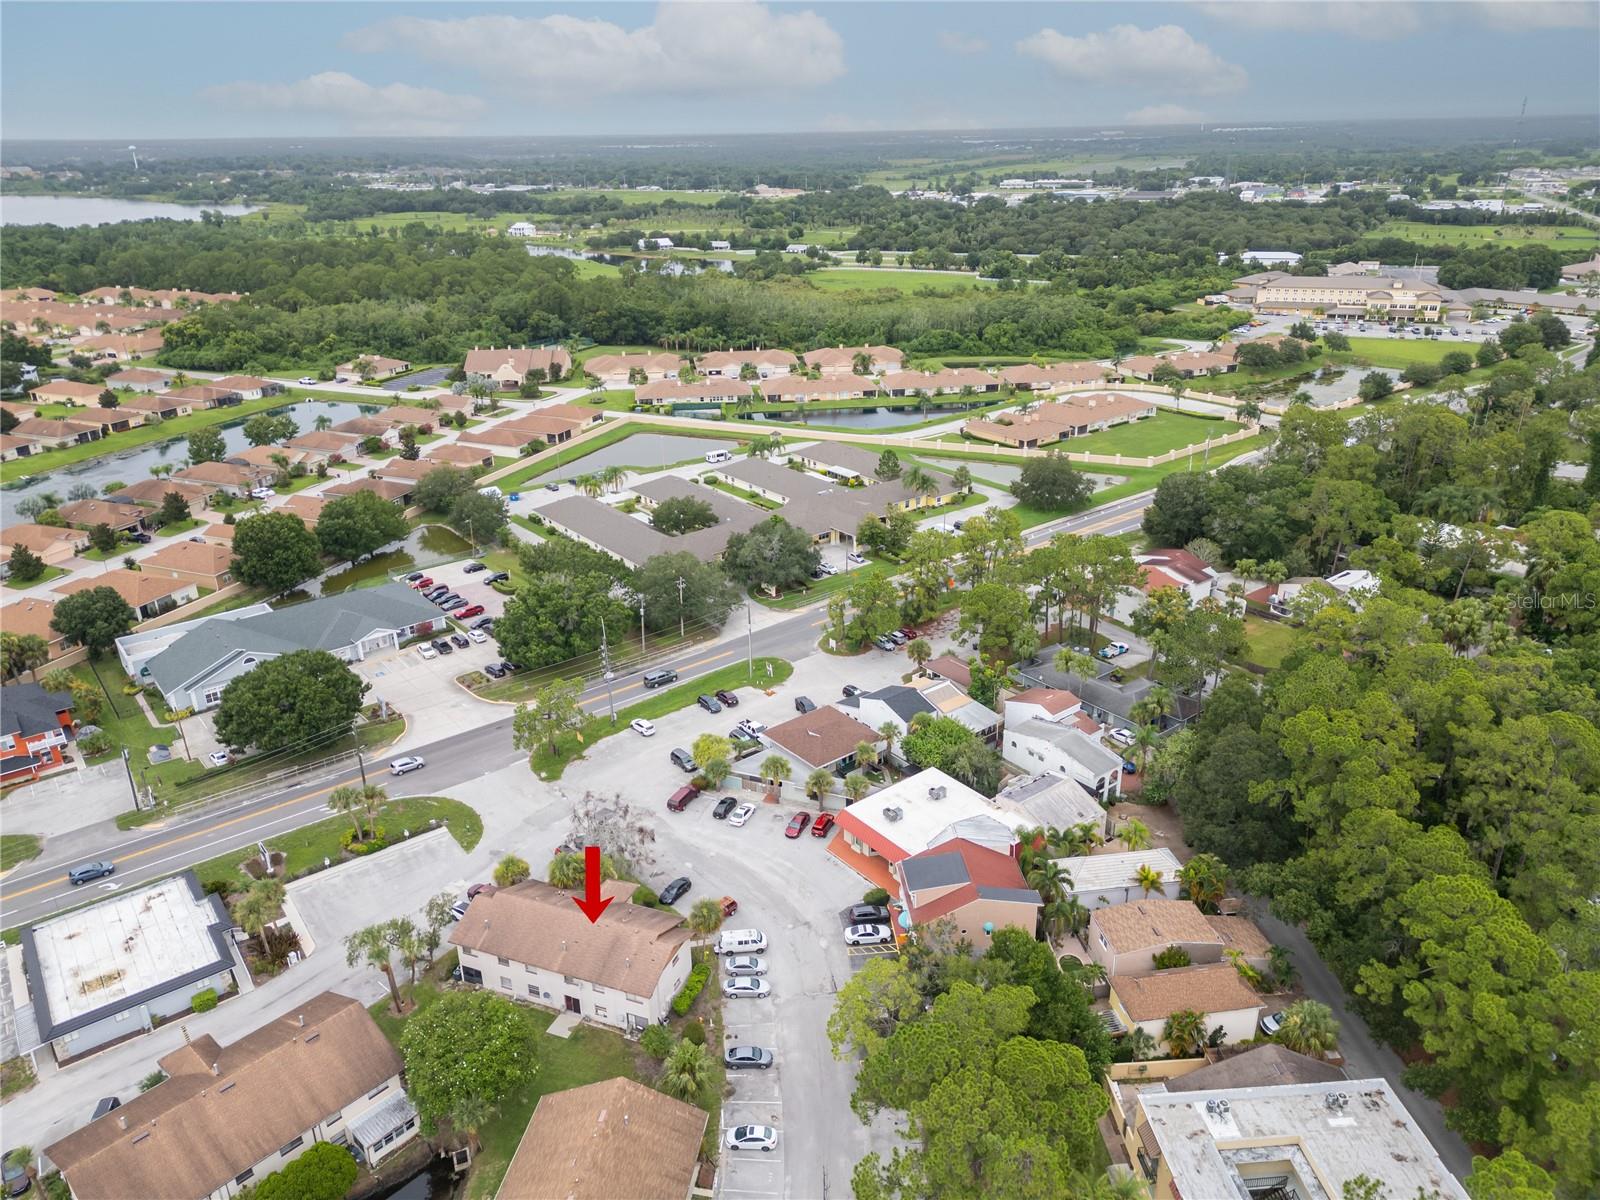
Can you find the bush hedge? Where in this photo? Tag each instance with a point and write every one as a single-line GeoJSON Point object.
{"type": "Point", "coordinates": [695, 1031]}
{"type": "Point", "coordinates": [876, 896]}
{"type": "Point", "coordinates": [692, 988]}
{"type": "Point", "coordinates": [656, 1041]}
{"type": "Point", "coordinates": [203, 1001]}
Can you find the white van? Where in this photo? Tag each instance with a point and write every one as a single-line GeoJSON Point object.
{"type": "Point", "coordinates": [491, 491]}
{"type": "Point", "coordinates": [741, 941]}
{"type": "Point", "coordinates": [719, 456]}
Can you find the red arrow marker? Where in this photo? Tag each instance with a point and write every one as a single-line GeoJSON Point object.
{"type": "Point", "coordinates": [591, 905]}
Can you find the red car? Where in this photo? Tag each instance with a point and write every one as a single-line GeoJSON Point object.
{"type": "Point", "coordinates": [910, 633]}
{"type": "Point", "coordinates": [797, 825]}
{"type": "Point", "coordinates": [424, 582]}
{"type": "Point", "coordinates": [823, 826]}
{"type": "Point", "coordinates": [466, 614]}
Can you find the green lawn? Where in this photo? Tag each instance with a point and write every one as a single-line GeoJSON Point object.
{"type": "Point", "coordinates": [44, 576]}
{"type": "Point", "coordinates": [17, 848]}
{"type": "Point", "coordinates": [588, 1056]}
{"type": "Point", "coordinates": [1269, 642]}
{"type": "Point", "coordinates": [177, 527]}
{"type": "Point", "coordinates": [654, 705]}
{"type": "Point", "coordinates": [818, 589]}
{"type": "Point", "coordinates": [306, 847]}
{"type": "Point", "coordinates": [741, 494]}
{"type": "Point", "coordinates": [838, 279]}
{"type": "Point", "coordinates": [1402, 352]}
{"type": "Point", "coordinates": [1579, 239]}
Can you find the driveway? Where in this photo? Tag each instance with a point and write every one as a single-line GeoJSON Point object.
{"type": "Point", "coordinates": [425, 690]}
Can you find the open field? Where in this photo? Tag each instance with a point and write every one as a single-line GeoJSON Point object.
{"type": "Point", "coordinates": [1155, 435]}
{"type": "Point", "coordinates": [1402, 352]}
{"type": "Point", "coordinates": [1267, 642]}
{"type": "Point", "coordinates": [629, 196]}
{"type": "Point", "coordinates": [838, 279]}
{"type": "Point", "coordinates": [1579, 239]}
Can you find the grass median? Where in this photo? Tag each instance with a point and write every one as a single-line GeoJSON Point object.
{"type": "Point", "coordinates": [18, 848]}
{"type": "Point", "coordinates": [570, 746]}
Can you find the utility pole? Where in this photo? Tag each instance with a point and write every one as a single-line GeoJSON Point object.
{"type": "Point", "coordinates": [749, 644]}
{"type": "Point", "coordinates": [680, 582]}
{"type": "Point", "coordinates": [641, 627]}
{"type": "Point", "coordinates": [361, 765]}
{"type": "Point", "coordinates": [606, 672]}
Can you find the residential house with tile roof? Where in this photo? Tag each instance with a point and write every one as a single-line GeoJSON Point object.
{"type": "Point", "coordinates": [508, 366]}
{"type": "Point", "coordinates": [616, 370]}
{"type": "Point", "coordinates": [205, 564]}
{"type": "Point", "coordinates": [31, 615]}
{"type": "Point", "coordinates": [148, 595]}
{"type": "Point", "coordinates": [51, 543]}
{"type": "Point", "coordinates": [825, 737]}
{"type": "Point", "coordinates": [979, 889]}
{"type": "Point", "coordinates": [767, 364]}
{"type": "Point", "coordinates": [841, 360]}
{"type": "Point", "coordinates": [532, 944]}
{"type": "Point", "coordinates": [1126, 938]}
{"type": "Point", "coordinates": [1215, 991]}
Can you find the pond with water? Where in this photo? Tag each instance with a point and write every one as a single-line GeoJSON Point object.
{"type": "Point", "coordinates": [647, 451]}
{"type": "Point", "coordinates": [426, 546]}
{"type": "Point", "coordinates": [131, 466]}
{"type": "Point", "coordinates": [101, 210]}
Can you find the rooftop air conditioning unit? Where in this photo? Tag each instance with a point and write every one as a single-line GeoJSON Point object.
{"type": "Point", "coordinates": [936, 792]}
{"type": "Point", "coordinates": [1223, 1108]}
{"type": "Point", "coordinates": [893, 814]}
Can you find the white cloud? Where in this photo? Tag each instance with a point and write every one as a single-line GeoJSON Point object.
{"type": "Point", "coordinates": [1535, 15]}
{"type": "Point", "coordinates": [394, 108]}
{"type": "Point", "coordinates": [1371, 20]}
{"type": "Point", "coordinates": [1164, 114]}
{"type": "Point", "coordinates": [689, 48]}
{"type": "Point", "coordinates": [1165, 58]}
{"type": "Point", "coordinates": [961, 43]}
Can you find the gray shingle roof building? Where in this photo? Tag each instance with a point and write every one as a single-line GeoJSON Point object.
{"type": "Point", "coordinates": [192, 670]}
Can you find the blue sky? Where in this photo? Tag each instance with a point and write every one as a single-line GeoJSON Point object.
{"type": "Point", "coordinates": [200, 69]}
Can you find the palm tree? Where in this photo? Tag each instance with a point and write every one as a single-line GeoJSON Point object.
{"type": "Point", "coordinates": [1205, 878]}
{"type": "Point", "coordinates": [1308, 1028]}
{"type": "Point", "coordinates": [1148, 878]}
{"type": "Point", "coordinates": [919, 480]}
{"type": "Point", "coordinates": [866, 754]}
{"type": "Point", "coordinates": [1048, 879]}
{"type": "Point", "coordinates": [687, 1071]}
{"type": "Point", "coordinates": [373, 798]}
{"type": "Point", "coordinates": [591, 485]}
{"type": "Point", "coordinates": [856, 786]}
{"type": "Point", "coordinates": [1145, 739]}
{"type": "Point", "coordinates": [259, 906]}
{"type": "Point", "coordinates": [705, 918]}
{"type": "Point", "coordinates": [566, 872]}
{"type": "Point", "coordinates": [1140, 1044]}
{"type": "Point", "coordinates": [1281, 964]}
{"type": "Point", "coordinates": [1134, 834]}
{"type": "Point", "coordinates": [919, 652]}
{"type": "Point", "coordinates": [1077, 917]}
{"type": "Point", "coordinates": [371, 947]}
{"type": "Point", "coordinates": [776, 770]}
{"type": "Point", "coordinates": [818, 784]}
{"type": "Point", "coordinates": [1184, 1033]}
{"type": "Point", "coordinates": [1071, 662]}
{"type": "Point", "coordinates": [347, 799]}
{"type": "Point", "coordinates": [614, 478]}
{"type": "Point", "coordinates": [889, 732]}
{"type": "Point", "coordinates": [323, 423]}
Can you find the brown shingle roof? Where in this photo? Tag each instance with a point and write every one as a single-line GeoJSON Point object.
{"type": "Point", "coordinates": [388, 489]}
{"type": "Point", "coordinates": [1241, 934]}
{"type": "Point", "coordinates": [952, 668]}
{"type": "Point", "coordinates": [30, 616]}
{"type": "Point", "coordinates": [196, 558]}
{"type": "Point", "coordinates": [1147, 924]}
{"type": "Point", "coordinates": [193, 1133]}
{"type": "Point", "coordinates": [1214, 988]}
{"type": "Point", "coordinates": [40, 538]}
{"type": "Point", "coordinates": [821, 737]}
{"type": "Point", "coordinates": [137, 588]}
{"type": "Point", "coordinates": [627, 948]}
{"type": "Point", "coordinates": [96, 512]}
{"type": "Point", "coordinates": [612, 1140]}
{"type": "Point", "coordinates": [1265, 1066]}
{"type": "Point", "coordinates": [154, 491]}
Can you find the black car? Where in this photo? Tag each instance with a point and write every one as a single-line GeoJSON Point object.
{"type": "Point", "coordinates": [709, 703]}
{"type": "Point", "coordinates": [674, 891]}
{"type": "Point", "coordinates": [802, 704]}
{"type": "Point", "coordinates": [867, 914]}
{"type": "Point", "coordinates": [851, 689]}
{"type": "Point", "coordinates": [437, 591]}
{"type": "Point", "coordinates": [473, 568]}
{"type": "Point", "coordinates": [497, 577]}
{"type": "Point", "coordinates": [508, 666]}
{"type": "Point", "coordinates": [442, 646]}
{"type": "Point", "coordinates": [144, 539]}
{"type": "Point", "coordinates": [729, 700]}
{"type": "Point", "coordinates": [414, 576]}
{"type": "Point", "coordinates": [725, 806]}
{"type": "Point", "coordinates": [459, 641]}
{"type": "Point", "coordinates": [482, 623]}
{"type": "Point", "coordinates": [746, 1058]}
{"type": "Point", "coordinates": [495, 671]}
{"type": "Point", "coordinates": [89, 872]}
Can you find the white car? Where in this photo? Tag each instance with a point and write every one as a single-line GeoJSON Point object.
{"type": "Point", "coordinates": [745, 988]}
{"type": "Point", "coordinates": [855, 557]}
{"type": "Point", "coordinates": [476, 635]}
{"type": "Point", "coordinates": [219, 758]}
{"type": "Point", "coordinates": [426, 652]}
{"type": "Point", "coordinates": [262, 493]}
{"type": "Point", "coordinates": [741, 814]}
{"type": "Point", "coordinates": [752, 1137]}
{"type": "Point", "coordinates": [1122, 737]}
{"type": "Point", "coordinates": [642, 727]}
{"type": "Point", "coordinates": [1113, 649]}
{"type": "Point", "coordinates": [867, 935]}
{"type": "Point", "coordinates": [827, 568]}
{"type": "Point", "coordinates": [308, 380]}
{"type": "Point", "coordinates": [403, 766]}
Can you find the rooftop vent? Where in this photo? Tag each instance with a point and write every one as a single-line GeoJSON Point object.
{"type": "Point", "coordinates": [937, 792]}
{"type": "Point", "coordinates": [893, 814]}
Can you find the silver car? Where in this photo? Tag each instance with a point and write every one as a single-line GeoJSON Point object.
{"type": "Point", "coordinates": [747, 964]}
{"type": "Point", "coordinates": [746, 989]}
{"type": "Point", "coordinates": [747, 1058]}
{"type": "Point", "coordinates": [411, 762]}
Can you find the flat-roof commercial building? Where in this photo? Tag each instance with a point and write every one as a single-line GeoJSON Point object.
{"type": "Point", "coordinates": [227, 1116]}
{"type": "Point", "coordinates": [1351, 296]}
{"type": "Point", "coordinates": [1304, 1140]}
{"type": "Point", "coordinates": [102, 973]}
{"type": "Point", "coordinates": [925, 810]}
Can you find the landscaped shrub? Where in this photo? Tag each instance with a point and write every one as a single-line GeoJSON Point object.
{"type": "Point", "coordinates": [1172, 956]}
{"type": "Point", "coordinates": [644, 896]}
{"type": "Point", "coordinates": [656, 1041]}
{"type": "Point", "coordinates": [203, 1001]}
{"type": "Point", "coordinates": [150, 1080]}
{"type": "Point", "coordinates": [876, 896]}
{"type": "Point", "coordinates": [377, 841]}
{"type": "Point", "coordinates": [95, 744]}
{"type": "Point", "coordinates": [324, 1172]}
{"type": "Point", "coordinates": [695, 1031]}
{"type": "Point", "coordinates": [692, 987]}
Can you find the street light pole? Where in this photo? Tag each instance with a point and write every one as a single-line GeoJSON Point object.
{"type": "Point", "coordinates": [607, 673]}
{"type": "Point", "coordinates": [680, 607]}
{"type": "Point", "coordinates": [361, 765]}
{"type": "Point", "coordinates": [749, 644]}
{"type": "Point", "coordinates": [133, 787]}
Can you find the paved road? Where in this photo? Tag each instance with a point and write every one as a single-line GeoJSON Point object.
{"type": "Point", "coordinates": [1365, 1057]}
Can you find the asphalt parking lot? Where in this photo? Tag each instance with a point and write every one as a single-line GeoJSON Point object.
{"type": "Point", "coordinates": [469, 587]}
